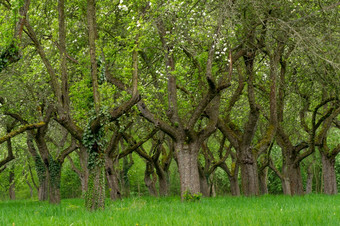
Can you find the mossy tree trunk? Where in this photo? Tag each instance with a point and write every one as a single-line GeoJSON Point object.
{"type": "Point", "coordinates": [95, 194]}
{"type": "Point", "coordinates": [54, 173]}
{"type": "Point", "coordinates": [42, 177]}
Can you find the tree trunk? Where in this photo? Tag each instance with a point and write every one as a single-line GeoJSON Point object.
{"type": "Point", "coordinates": [43, 189]}
{"type": "Point", "coordinates": [233, 178]}
{"type": "Point", "coordinates": [163, 181]}
{"type": "Point", "coordinates": [249, 176]}
{"type": "Point", "coordinates": [12, 184]}
{"type": "Point", "coordinates": [234, 186]}
{"type": "Point", "coordinates": [292, 180]}
{"type": "Point", "coordinates": [204, 185]}
{"type": "Point", "coordinates": [84, 173]}
{"type": "Point", "coordinates": [296, 185]}
{"type": "Point", "coordinates": [328, 174]}
{"type": "Point", "coordinates": [150, 182]}
{"type": "Point", "coordinates": [112, 179]}
{"type": "Point", "coordinates": [31, 188]}
{"type": "Point", "coordinates": [124, 176]}
{"type": "Point", "coordinates": [285, 181]}
{"type": "Point", "coordinates": [212, 190]}
{"type": "Point", "coordinates": [43, 178]}
{"type": "Point", "coordinates": [54, 172]}
{"type": "Point", "coordinates": [95, 194]}
{"type": "Point", "coordinates": [310, 175]}
{"type": "Point", "coordinates": [263, 181]}
{"type": "Point", "coordinates": [188, 169]}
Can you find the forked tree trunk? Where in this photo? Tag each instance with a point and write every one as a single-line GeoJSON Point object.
{"type": "Point", "coordinates": [188, 169]}
{"type": "Point", "coordinates": [233, 178]}
{"type": "Point", "coordinates": [249, 175]}
{"type": "Point", "coordinates": [112, 179]}
{"type": "Point", "coordinates": [329, 174]}
{"type": "Point", "coordinates": [263, 174]}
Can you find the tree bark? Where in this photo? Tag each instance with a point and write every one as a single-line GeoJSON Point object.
{"type": "Point", "coordinates": [310, 175]}
{"type": "Point", "coordinates": [285, 182]}
{"type": "Point", "coordinates": [163, 180]}
{"type": "Point", "coordinates": [12, 184]}
{"type": "Point", "coordinates": [263, 174]}
{"type": "Point", "coordinates": [43, 188]}
{"type": "Point", "coordinates": [187, 165]}
{"type": "Point", "coordinates": [292, 182]}
{"type": "Point", "coordinates": [249, 175]}
{"type": "Point", "coordinates": [54, 173]}
{"type": "Point", "coordinates": [95, 194]}
{"type": "Point", "coordinates": [233, 178]}
{"type": "Point", "coordinates": [112, 179]}
{"type": "Point", "coordinates": [204, 185]}
{"type": "Point", "coordinates": [150, 182]}
{"type": "Point", "coordinates": [234, 186]}
{"type": "Point", "coordinates": [329, 174]}
{"type": "Point", "coordinates": [124, 176]}
{"type": "Point", "coordinates": [84, 173]}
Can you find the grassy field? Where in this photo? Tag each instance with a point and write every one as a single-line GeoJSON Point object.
{"type": "Point", "coordinates": [266, 210]}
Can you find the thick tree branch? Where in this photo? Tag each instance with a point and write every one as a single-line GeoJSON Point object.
{"type": "Point", "coordinates": [21, 130]}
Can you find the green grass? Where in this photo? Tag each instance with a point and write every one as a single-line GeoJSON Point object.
{"type": "Point", "coordinates": [266, 210]}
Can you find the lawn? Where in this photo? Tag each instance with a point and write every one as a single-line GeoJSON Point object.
{"type": "Point", "coordinates": [265, 210]}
